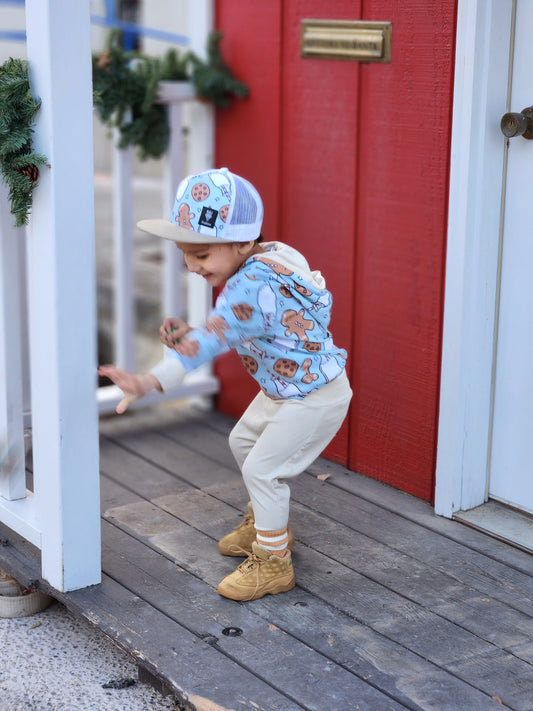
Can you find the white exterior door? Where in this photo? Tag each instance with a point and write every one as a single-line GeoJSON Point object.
{"type": "Point", "coordinates": [485, 442]}
{"type": "Point", "coordinates": [511, 457]}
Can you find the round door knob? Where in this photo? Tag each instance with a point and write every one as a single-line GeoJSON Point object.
{"type": "Point", "coordinates": [521, 124]}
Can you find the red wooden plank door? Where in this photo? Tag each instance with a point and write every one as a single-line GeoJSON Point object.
{"type": "Point", "coordinates": [352, 162]}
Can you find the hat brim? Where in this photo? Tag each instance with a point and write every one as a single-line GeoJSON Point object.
{"type": "Point", "coordinates": [167, 230]}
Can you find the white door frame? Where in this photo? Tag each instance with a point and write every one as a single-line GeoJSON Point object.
{"type": "Point", "coordinates": [473, 248]}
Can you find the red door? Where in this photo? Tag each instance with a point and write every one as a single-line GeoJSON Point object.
{"type": "Point", "coordinates": [351, 160]}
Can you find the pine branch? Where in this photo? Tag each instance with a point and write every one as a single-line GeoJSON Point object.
{"type": "Point", "coordinates": [19, 164]}
{"type": "Point", "coordinates": [126, 85]}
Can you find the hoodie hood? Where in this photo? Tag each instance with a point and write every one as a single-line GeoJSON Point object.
{"type": "Point", "coordinates": [291, 258]}
{"type": "Point", "coordinates": [298, 283]}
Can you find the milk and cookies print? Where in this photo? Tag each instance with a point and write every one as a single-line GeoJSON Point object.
{"type": "Point", "coordinates": [275, 312]}
{"type": "Point", "coordinates": [198, 207]}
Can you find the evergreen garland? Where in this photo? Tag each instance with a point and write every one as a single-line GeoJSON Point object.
{"type": "Point", "coordinates": [213, 80]}
{"type": "Point", "coordinates": [19, 164]}
{"type": "Point", "coordinates": [125, 88]}
{"type": "Point", "coordinates": [126, 85]}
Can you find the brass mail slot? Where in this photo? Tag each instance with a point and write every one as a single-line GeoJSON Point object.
{"type": "Point", "coordinates": [356, 40]}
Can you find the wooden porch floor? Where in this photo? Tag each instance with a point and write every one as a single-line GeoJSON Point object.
{"type": "Point", "coordinates": [394, 608]}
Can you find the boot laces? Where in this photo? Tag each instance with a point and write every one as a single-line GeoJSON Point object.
{"type": "Point", "coordinates": [245, 553]}
{"type": "Point", "coordinates": [251, 563]}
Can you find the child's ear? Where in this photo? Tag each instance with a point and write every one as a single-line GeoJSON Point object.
{"type": "Point", "coordinates": [245, 248]}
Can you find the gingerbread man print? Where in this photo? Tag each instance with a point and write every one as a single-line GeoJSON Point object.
{"type": "Point", "coordinates": [275, 266]}
{"type": "Point", "coordinates": [304, 291]}
{"type": "Point", "coordinates": [184, 216]}
{"type": "Point", "coordinates": [297, 324]}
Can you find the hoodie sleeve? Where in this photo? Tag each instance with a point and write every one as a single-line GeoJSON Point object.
{"type": "Point", "coordinates": [244, 309]}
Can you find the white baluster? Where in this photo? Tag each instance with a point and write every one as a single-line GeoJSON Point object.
{"type": "Point", "coordinates": [12, 471]}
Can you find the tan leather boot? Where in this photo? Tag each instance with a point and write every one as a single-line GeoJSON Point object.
{"type": "Point", "coordinates": [260, 574]}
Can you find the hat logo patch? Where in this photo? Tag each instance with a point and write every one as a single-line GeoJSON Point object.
{"type": "Point", "coordinates": [208, 217]}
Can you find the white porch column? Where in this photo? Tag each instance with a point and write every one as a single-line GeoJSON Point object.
{"type": "Point", "coordinates": [61, 279]}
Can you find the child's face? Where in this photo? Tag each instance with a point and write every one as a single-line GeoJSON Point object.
{"type": "Point", "coordinates": [216, 263]}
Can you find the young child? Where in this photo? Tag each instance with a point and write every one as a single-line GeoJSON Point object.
{"type": "Point", "coordinates": [274, 311]}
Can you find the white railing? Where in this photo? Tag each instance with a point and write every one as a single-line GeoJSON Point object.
{"type": "Point", "coordinates": [51, 321]}
{"type": "Point", "coordinates": [175, 281]}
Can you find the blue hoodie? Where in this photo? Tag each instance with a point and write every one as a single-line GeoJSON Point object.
{"type": "Point", "coordinates": [275, 313]}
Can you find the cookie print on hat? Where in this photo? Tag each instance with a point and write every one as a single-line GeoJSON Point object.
{"type": "Point", "coordinates": [200, 192]}
{"type": "Point", "coordinates": [211, 196]}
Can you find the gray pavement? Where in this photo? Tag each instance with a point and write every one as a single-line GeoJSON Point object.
{"type": "Point", "coordinates": [53, 661]}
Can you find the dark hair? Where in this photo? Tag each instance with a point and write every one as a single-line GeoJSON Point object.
{"type": "Point", "coordinates": [260, 239]}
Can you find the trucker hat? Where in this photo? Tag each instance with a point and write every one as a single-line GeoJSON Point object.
{"type": "Point", "coordinates": [213, 206]}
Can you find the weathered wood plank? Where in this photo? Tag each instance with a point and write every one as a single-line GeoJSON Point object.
{"type": "Point", "coordinates": [207, 440]}
{"type": "Point", "coordinates": [337, 634]}
{"type": "Point", "coordinates": [182, 462]}
{"type": "Point", "coordinates": [487, 576]}
{"type": "Point", "coordinates": [137, 474]}
{"type": "Point", "coordinates": [293, 668]}
{"type": "Point", "coordinates": [397, 618]}
{"type": "Point", "coordinates": [500, 582]}
{"type": "Point", "coordinates": [412, 626]}
{"type": "Point", "coordinates": [511, 582]}
{"type": "Point", "coordinates": [149, 418]}
{"type": "Point", "coordinates": [391, 500]}
{"type": "Point", "coordinates": [421, 513]}
{"type": "Point", "coordinates": [460, 584]}
{"type": "Point", "coordinates": [184, 661]}
{"type": "Point", "coordinates": [113, 494]}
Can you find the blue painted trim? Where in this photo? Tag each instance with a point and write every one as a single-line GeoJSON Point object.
{"type": "Point", "coordinates": [20, 35]}
{"type": "Point", "coordinates": [13, 35]}
{"type": "Point", "coordinates": [138, 29]}
{"type": "Point", "coordinates": [110, 9]}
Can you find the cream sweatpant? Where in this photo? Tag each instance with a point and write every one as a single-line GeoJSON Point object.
{"type": "Point", "coordinates": [277, 439]}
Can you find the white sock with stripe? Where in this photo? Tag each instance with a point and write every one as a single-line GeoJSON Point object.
{"type": "Point", "coordinates": [274, 541]}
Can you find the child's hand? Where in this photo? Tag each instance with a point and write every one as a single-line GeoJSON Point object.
{"type": "Point", "coordinates": [172, 331]}
{"type": "Point", "coordinates": [133, 386]}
